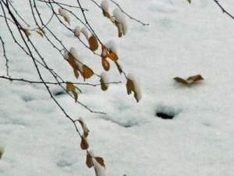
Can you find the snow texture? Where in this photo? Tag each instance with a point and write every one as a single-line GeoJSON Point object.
{"type": "Point", "coordinates": [105, 5]}
{"type": "Point", "coordinates": [182, 40]}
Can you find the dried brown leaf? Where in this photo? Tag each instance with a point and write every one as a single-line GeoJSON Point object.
{"type": "Point", "coordinates": [113, 56]}
{"type": "Point", "coordinates": [120, 28]}
{"type": "Point", "coordinates": [87, 72]}
{"type": "Point", "coordinates": [105, 64]}
{"type": "Point", "coordinates": [89, 161]}
{"type": "Point", "coordinates": [190, 80]}
{"type": "Point", "coordinates": [84, 145]}
{"type": "Point", "coordinates": [100, 161]}
{"type": "Point", "coordinates": [93, 43]}
{"type": "Point", "coordinates": [130, 86]}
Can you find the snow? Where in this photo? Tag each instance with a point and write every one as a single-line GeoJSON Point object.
{"type": "Point", "coordinates": [105, 5]}
{"type": "Point", "coordinates": [77, 31]}
{"type": "Point", "coordinates": [182, 40]}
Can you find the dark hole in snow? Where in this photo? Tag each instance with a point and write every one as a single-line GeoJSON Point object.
{"type": "Point", "coordinates": [166, 112]}
{"type": "Point", "coordinates": [164, 115]}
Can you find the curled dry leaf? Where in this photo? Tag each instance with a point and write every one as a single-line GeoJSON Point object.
{"type": "Point", "coordinates": [84, 127]}
{"type": "Point", "coordinates": [89, 161]}
{"type": "Point", "coordinates": [65, 15]}
{"type": "Point", "coordinates": [93, 43]}
{"type": "Point", "coordinates": [84, 145]}
{"type": "Point", "coordinates": [72, 61]}
{"type": "Point", "coordinates": [131, 87]}
{"type": "Point", "coordinates": [100, 160]}
{"type": "Point", "coordinates": [120, 28]}
{"type": "Point", "coordinates": [190, 80]}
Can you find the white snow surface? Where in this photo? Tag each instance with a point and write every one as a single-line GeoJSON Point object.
{"type": "Point", "coordinates": [182, 40]}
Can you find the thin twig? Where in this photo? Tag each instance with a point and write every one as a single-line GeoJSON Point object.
{"type": "Point", "coordinates": [5, 56]}
{"type": "Point", "coordinates": [132, 18]}
{"type": "Point", "coordinates": [223, 9]}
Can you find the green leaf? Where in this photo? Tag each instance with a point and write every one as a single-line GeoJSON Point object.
{"type": "Point", "coordinates": [189, 1]}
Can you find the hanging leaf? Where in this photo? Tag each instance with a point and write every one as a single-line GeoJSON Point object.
{"type": "Point", "coordinates": [106, 14]}
{"type": "Point", "coordinates": [113, 56]}
{"type": "Point", "coordinates": [189, 1]}
{"type": "Point", "coordinates": [105, 64]}
{"type": "Point", "coordinates": [105, 52]}
{"type": "Point", "coordinates": [104, 86]}
{"type": "Point", "coordinates": [65, 15]}
{"type": "Point", "coordinates": [87, 72]}
{"type": "Point", "coordinates": [190, 80]}
{"type": "Point", "coordinates": [120, 28]}
{"type": "Point", "coordinates": [100, 161]}
{"type": "Point", "coordinates": [71, 88]}
{"type": "Point", "coordinates": [84, 144]}
{"type": "Point", "coordinates": [89, 161]}
{"type": "Point", "coordinates": [131, 87]}
{"type": "Point", "coordinates": [72, 61]}
{"type": "Point", "coordinates": [84, 127]}
{"type": "Point", "coordinates": [105, 7]}
{"type": "Point", "coordinates": [93, 43]}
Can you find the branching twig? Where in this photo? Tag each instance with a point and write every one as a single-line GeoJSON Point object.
{"type": "Point", "coordinates": [223, 9]}
{"type": "Point", "coordinates": [132, 18]}
{"type": "Point", "coordinates": [5, 56]}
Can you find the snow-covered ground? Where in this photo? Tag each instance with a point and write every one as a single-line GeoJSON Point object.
{"type": "Point", "coordinates": [182, 40]}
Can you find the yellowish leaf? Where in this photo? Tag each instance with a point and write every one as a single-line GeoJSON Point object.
{"type": "Point", "coordinates": [27, 32]}
{"type": "Point", "coordinates": [93, 43]}
{"type": "Point", "coordinates": [40, 33]}
{"type": "Point", "coordinates": [70, 87]}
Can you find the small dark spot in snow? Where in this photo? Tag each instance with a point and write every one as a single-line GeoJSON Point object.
{"type": "Point", "coordinates": [166, 112]}
{"type": "Point", "coordinates": [164, 115]}
{"type": "Point", "coordinates": [59, 93]}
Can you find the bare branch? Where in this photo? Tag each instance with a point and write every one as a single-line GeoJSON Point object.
{"type": "Point", "coordinates": [223, 9]}
{"type": "Point", "coordinates": [5, 56]}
